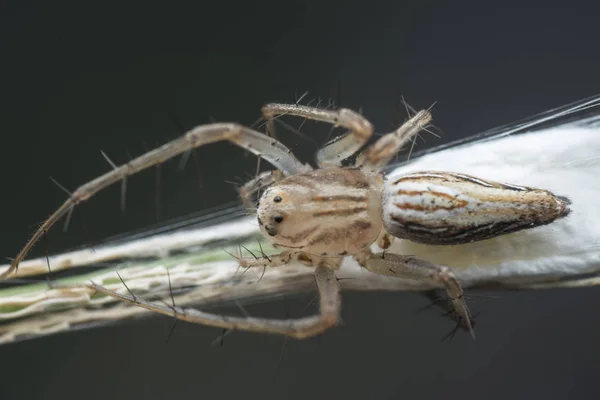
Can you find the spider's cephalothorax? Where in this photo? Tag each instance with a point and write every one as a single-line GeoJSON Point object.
{"type": "Point", "coordinates": [320, 216]}
{"type": "Point", "coordinates": [329, 212]}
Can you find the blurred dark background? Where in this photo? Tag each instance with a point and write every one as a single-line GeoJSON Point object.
{"type": "Point", "coordinates": [77, 78]}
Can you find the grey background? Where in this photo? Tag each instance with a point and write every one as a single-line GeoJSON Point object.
{"type": "Point", "coordinates": [78, 77]}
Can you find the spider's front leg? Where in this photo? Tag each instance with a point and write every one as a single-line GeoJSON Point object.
{"type": "Point", "coordinates": [261, 145]}
{"type": "Point", "coordinates": [408, 267]}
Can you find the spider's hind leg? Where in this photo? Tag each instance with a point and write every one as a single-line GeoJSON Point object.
{"type": "Point", "coordinates": [408, 267]}
{"type": "Point", "coordinates": [438, 301]}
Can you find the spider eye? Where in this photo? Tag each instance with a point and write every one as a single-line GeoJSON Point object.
{"type": "Point", "coordinates": [278, 218]}
{"type": "Point", "coordinates": [277, 199]}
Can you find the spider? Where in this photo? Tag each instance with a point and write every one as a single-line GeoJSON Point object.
{"type": "Point", "coordinates": [320, 216]}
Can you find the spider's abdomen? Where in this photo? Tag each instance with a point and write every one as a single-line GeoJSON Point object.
{"type": "Point", "coordinates": [447, 208]}
{"type": "Point", "coordinates": [327, 212]}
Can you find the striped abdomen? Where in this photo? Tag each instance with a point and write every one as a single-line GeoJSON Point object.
{"type": "Point", "coordinates": [327, 212]}
{"type": "Point", "coordinates": [447, 208]}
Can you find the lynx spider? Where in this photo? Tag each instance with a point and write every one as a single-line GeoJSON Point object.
{"type": "Point", "coordinates": [318, 217]}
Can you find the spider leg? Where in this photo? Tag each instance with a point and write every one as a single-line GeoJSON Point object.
{"type": "Point", "coordinates": [285, 257]}
{"type": "Point", "coordinates": [383, 150]}
{"type": "Point", "coordinates": [447, 307]}
{"type": "Point", "coordinates": [300, 328]}
{"type": "Point", "coordinates": [337, 150]}
{"type": "Point", "coordinates": [261, 145]}
{"type": "Point", "coordinates": [391, 264]}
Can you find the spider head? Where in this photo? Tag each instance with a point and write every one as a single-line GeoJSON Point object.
{"type": "Point", "coordinates": [328, 212]}
{"type": "Point", "coordinates": [274, 212]}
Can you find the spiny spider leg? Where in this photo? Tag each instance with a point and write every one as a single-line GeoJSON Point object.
{"type": "Point", "coordinates": [337, 150]}
{"type": "Point", "coordinates": [330, 305]}
{"type": "Point", "coordinates": [442, 303]}
{"type": "Point", "coordinates": [261, 145]}
{"type": "Point", "coordinates": [391, 264]}
{"type": "Point", "coordinates": [383, 150]}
